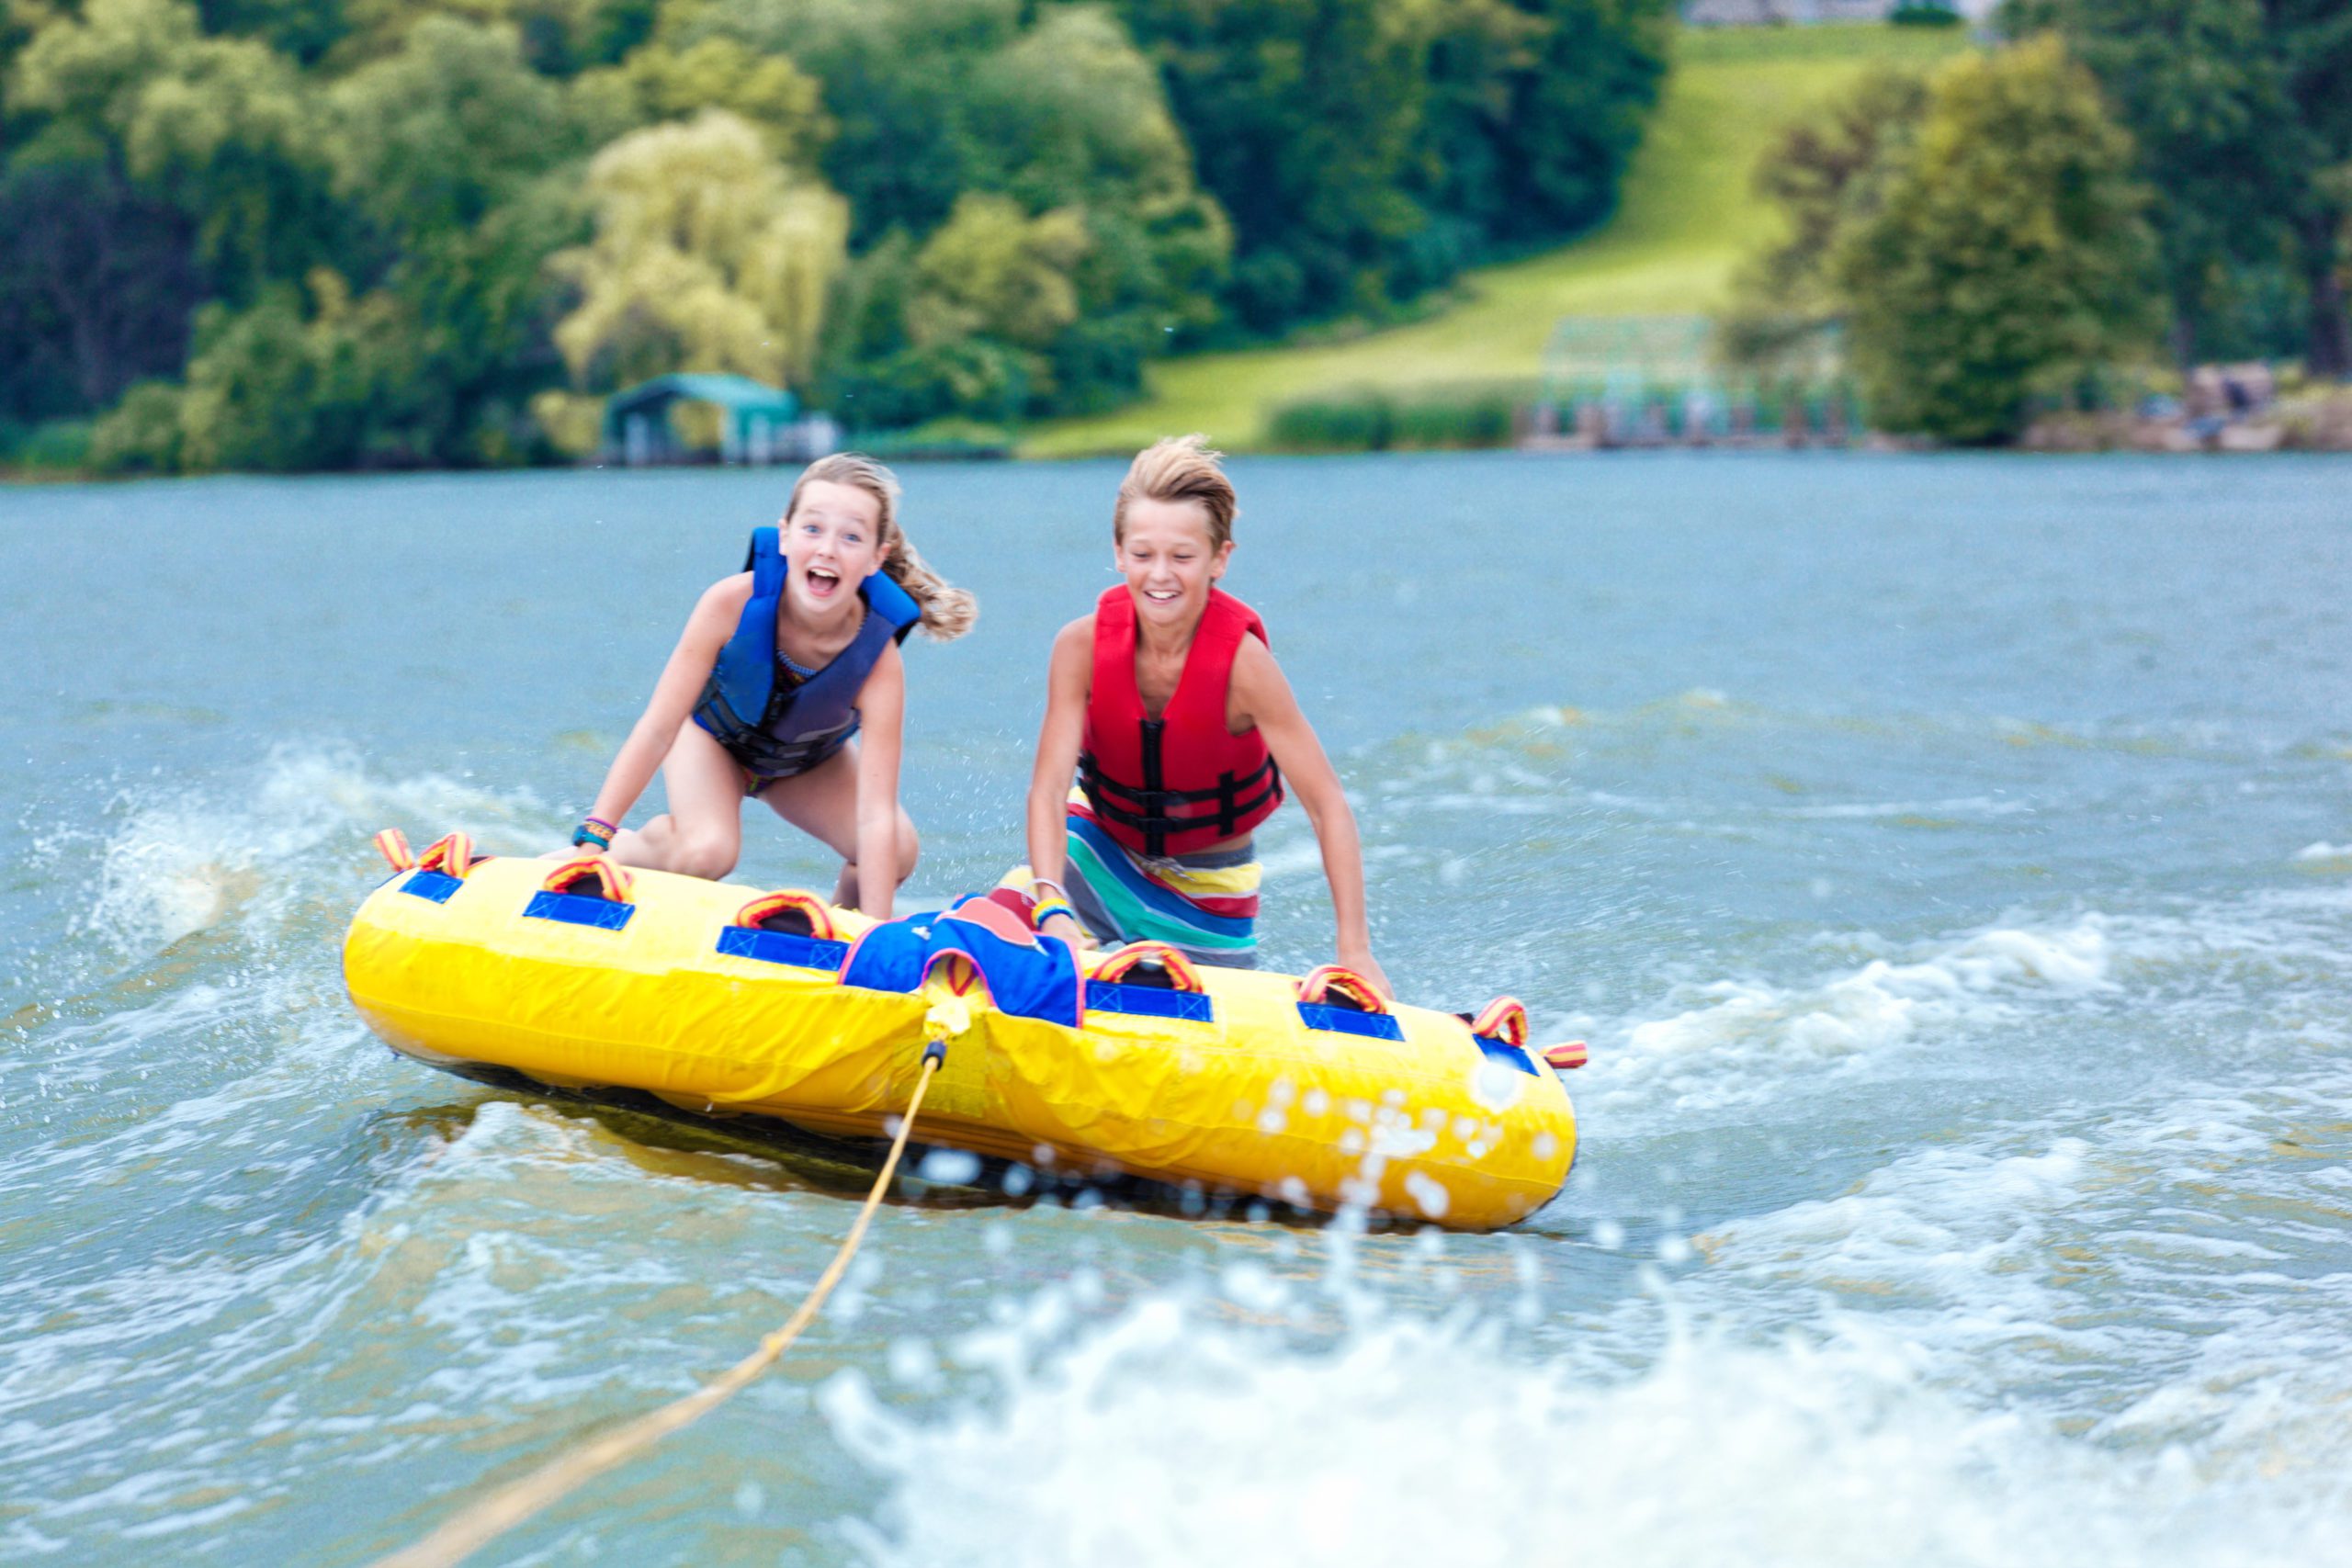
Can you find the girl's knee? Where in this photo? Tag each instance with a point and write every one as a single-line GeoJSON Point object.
{"type": "Point", "coordinates": [708, 856]}
{"type": "Point", "coordinates": [910, 847]}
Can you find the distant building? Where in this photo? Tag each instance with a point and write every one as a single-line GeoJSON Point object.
{"type": "Point", "coordinates": [757, 423]}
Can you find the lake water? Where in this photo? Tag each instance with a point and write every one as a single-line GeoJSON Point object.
{"type": "Point", "coordinates": [1949, 858]}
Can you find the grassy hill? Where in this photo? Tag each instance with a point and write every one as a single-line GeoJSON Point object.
{"type": "Point", "coordinates": [1687, 220]}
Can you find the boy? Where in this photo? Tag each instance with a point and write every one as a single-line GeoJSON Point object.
{"type": "Point", "coordinates": [1168, 703]}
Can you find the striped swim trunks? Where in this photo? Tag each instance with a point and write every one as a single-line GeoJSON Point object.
{"type": "Point", "coordinates": [1203, 905]}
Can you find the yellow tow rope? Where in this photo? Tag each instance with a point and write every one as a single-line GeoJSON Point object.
{"type": "Point", "coordinates": [503, 1509]}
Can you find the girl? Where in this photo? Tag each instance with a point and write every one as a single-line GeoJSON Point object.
{"type": "Point", "coordinates": [778, 668]}
{"type": "Point", "coordinates": [1168, 703]}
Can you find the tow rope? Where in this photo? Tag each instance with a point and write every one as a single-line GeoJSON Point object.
{"type": "Point", "coordinates": [511, 1505]}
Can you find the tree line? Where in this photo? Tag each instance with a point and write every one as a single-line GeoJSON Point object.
{"type": "Point", "coordinates": [289, 234]}
{"type": "Point", "coordinates": [2123, 181]}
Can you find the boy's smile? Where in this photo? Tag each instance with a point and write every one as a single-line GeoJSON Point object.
{"type": "Point", "coordinates": [1164, 553]}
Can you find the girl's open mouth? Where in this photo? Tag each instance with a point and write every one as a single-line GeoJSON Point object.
{"type": "Point", "coordinates": [821, 582]}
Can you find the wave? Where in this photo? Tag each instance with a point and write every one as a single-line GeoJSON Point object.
{"type": "Point", "coordinates": [184, 861]}
{"type": "Point", "coordinates": [1168, 1435]}
{"type": "Point", "coordinates": [1730, 1041]}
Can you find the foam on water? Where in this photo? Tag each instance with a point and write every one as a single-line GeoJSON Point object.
{"type": "Point", "coordinates": [1170, 1435]}
{"type": "Point", "coordinates": [189, 860]}
{"type": "Point", "coordinates": [1730, 1042]}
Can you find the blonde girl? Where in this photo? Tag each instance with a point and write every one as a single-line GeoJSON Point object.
{"type": "Point", "coordinates": [788, 686]}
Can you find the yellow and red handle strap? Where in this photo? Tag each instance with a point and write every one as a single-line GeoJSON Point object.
{"type": "Point", "coordinates": [612, 877]}
{"type": "Point", "coordinates": [452, 855]}
{"type": "Point", "coordinates": [392, 844]}
{"type": "Point", "coordinates": [1320, 982]}
{"type": "Point", "coordinates": [770, 905]}
{"type": "Point", "coordinates": [1180, 971]}
{"type": "Point", "coordinates": [1504, 1018]}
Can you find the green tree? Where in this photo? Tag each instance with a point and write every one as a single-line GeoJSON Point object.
{"type": "Point", "coordinates": [895, 75]}
{"type": "Point", "coordinates": [218, 127]}
{"type": "Point", "coordinates": [1303, 116]}
{"type": "Point", "coordinates": [1053, 108]}
{"type": "Point", "coordinates": [558, 38]}
{"type": "Point", "coordinates": [1084, 139]}
{"type": "Point", "coordinates": [276, 387]}
{"type": "Point", "coordinates": [2242, 110]}
{"type": "Point", "coordinates": [1576, 112]}
{"type": "Point", "coordinates": [1826, 175]}
{"type": "Point", "coordinates": [709, 254]}
{"type": "Point", "coordinates": [1368, 148]}
{"type": "Point", "coordinates": [2008, 255]}
{"type": "Point", "coordinates": [428, 139]}
{"type": "Point", "coordinates": [425, 343]}
{"type": "Point", "coordinates": [147, 168]}
{"type": "Point", "coordinates": [664, 81]}
{"type": "Point", "coordinates": [460, 157]}
{"type": "Point", "coordinates": [98, 283]}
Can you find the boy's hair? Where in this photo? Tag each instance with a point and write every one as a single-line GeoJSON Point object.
{"type": "Point", "coordinates": [947, 612]}
{"type": "Point", "coordinates": [1179, 467]}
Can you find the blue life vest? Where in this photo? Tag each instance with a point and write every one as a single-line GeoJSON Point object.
{"type": "Point", "coordinates": [773, 728]}
{"type": "Point", "coordinates": [1034, 979]}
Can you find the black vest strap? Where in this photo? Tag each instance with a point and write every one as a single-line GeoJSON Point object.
{"type": "Point", "coordinates": [1150, 814]}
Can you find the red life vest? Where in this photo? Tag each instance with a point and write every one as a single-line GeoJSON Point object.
{"type": "Point", "coordinates": [1182, 782]}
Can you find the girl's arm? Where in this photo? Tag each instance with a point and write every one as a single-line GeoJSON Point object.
{"type": "Point", "coordinates": [1261, 692]}
{"type": "Point", "coordinates": [1067, 676]}
{"type": "Point", "coordinates": [674, 695]}
{"type": "Point", "coordinates": [881, 728]}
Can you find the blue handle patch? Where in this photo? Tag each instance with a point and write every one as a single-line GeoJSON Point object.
{"type": "Point", "coordinates": [1347, 1021]}
{"type": "Point", "coordinates": [575, 910]}
{"type": "Point", "coordinates": [435, 886]}
{"type": "Point", "coordinates": [783, 947]}
{"type": "Point", "coordinates": [1504, 1051]}
{"type": "Point", "coordinates": [1147, 1002]}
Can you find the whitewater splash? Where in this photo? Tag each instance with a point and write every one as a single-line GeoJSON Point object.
{"type": "Point", "coordinates": [186, 860]}
{"type": "Point", "coordinates": [1169, 1436]}
{"type": "Point", "coordinates": [1738, 1041]}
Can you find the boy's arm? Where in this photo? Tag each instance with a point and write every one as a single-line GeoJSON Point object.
{"type": "Point", "coordinates": [1263, 695]}
{"type": "Point", "coordinates": [1067, 676]}
{"type": "Point", "coordinates": [881, 708]}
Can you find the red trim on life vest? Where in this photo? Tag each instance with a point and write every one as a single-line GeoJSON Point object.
{"type": "Point", "coordinates": [1196, 750]}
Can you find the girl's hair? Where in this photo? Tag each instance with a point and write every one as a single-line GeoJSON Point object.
{"type": "Point", "coordinates": [947, 612]}
{"type": "Point", "coordinates": [1179, 467]}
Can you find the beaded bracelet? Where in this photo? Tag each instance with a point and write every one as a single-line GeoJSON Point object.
{"type": "Point", "coordinates": [595, 831]}
{"type": "Point", "coordinates": [1046, 909]}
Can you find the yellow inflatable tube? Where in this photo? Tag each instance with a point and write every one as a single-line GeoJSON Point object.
{"type": "Point", "coordinates": [585, 978]}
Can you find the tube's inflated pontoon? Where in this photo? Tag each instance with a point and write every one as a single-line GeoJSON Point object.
{"type": "Point", "coordinates": [584, 976]}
